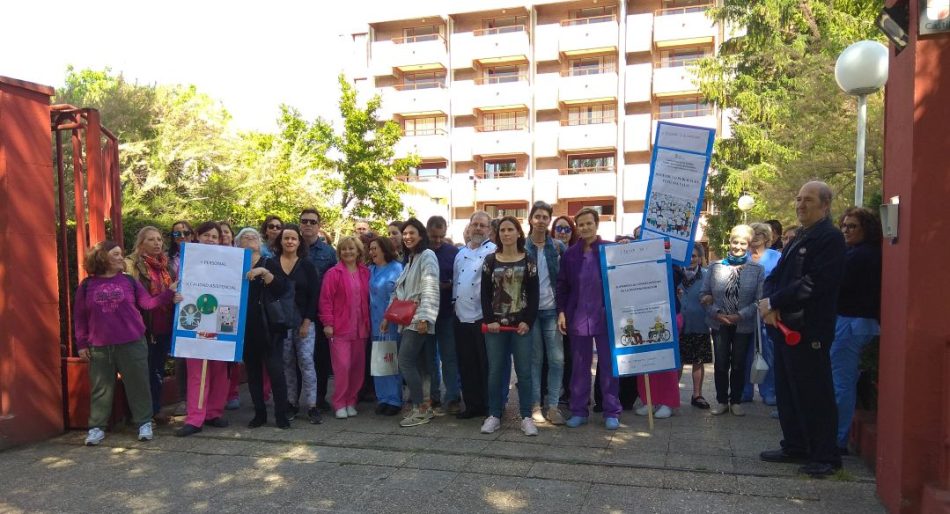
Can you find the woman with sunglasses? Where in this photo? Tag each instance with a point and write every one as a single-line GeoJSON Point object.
{"type": "Point", "coordinates": [563, 230]}
{"type": "Point", "coordinates": [270, 229]}
{"type": "Point", "coordinates": [181, 233]}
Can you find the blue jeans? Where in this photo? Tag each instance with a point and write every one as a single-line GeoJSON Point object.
{"type": "Point", "coordinates": [443, 348]}
{"type": "Point", "coordinates": [500, 348]}
{"type": "Point", "coordinates": [851, 336]}
{"type": "Point", "coordinates": [547, 340]}
{"type": "Point", "coordinates": [767, 387]}
{"type": "Point", "coordinates": [413, 364]}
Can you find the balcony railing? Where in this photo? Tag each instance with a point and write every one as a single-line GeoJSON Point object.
{"type": "Point", "coordinates": [591, 169]}
{"type": "Point", "coordinates": [423, 178]}
{"type": "Point", "coordinates": [498, 127]}
{"type": "Point", "coordinates": [425, 84]}
{"type": "Point", "coordinates": [677, 62]}
{"type": "Point", "coordinates": [502, 79]}
{"type": "Point", "coordinates": [682, 10]}
{"type": "Point", "coordinates": [605, 18]}
{"type": "Point", "coordinates": [589, 120]}
{"type": "Point", "coordinates": [417, 39]}
{"type": "Point", "coordinates": [482, 175]}
{"type": "Point", "coordinates": [424, 132]}
{"type": "Point", "coordinates": [684, 113]}
{"type": "Point", "coordinates": [500, 30]}
{"type": "Point", "coordinates": [590, 70]}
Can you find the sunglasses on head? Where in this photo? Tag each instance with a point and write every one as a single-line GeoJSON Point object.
{"type": "Point", "coordinates": [563, 229]}
{"type": "Point", "coordinates": [273, 226]}
{"type": "Point", "coordinates": [308, 221]}
{"type": "Point", "coordinates": [181, 233]}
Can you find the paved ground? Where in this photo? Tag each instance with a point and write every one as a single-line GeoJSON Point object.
{"type": "Point", "coordinates": [690, 462]}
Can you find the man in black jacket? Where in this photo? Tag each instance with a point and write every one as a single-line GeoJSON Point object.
{"type": "Point", "coordinates": [802, 293]}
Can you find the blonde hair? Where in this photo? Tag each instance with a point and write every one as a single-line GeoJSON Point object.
{"type": "Point", "coordinates": [741, 231]}
{"type": "Point", "coordinates": [356, 242]}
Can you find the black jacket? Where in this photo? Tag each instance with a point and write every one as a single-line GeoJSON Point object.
{"type": "Point", "coordinates": [805, 283]}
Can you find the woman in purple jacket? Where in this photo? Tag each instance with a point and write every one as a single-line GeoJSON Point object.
{"type": "Point", "coordinates": [583, 317]}
{"type": "Point", "coordinates": [109, 334]}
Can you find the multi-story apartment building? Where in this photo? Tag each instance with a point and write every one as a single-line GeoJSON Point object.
{"type": "Point", "coordinates": [508, 103]}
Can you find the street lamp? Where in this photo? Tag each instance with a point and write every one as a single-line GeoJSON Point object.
{"type": "Point", "coordinates": [745, 204]}
{"type": "Point", "coordinates": [861, 70]}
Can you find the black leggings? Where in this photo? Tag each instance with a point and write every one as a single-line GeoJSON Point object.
{"type": "Point", "coordinates": [259, 354]}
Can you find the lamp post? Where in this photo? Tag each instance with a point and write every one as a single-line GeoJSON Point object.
{"type": "Point", "coordinates": [745, 204]}
{"type": "Point", "coordinates": [861, 69]}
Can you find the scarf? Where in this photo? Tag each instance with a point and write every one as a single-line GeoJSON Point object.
{"type": "Point", "coordinates": [732, 260]}
{"type": "Point", "coordinates": [691, 275]}
{"type": "Point", "coordinates": [159, 277]}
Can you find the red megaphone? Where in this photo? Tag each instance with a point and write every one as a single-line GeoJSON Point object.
{"type": "Point", "coordinates": [792, 337]}
{"type": "Point", "coordinates": [500, 329]}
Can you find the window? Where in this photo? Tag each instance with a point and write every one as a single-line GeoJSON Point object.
{"type": "Point", "coordinates": [501, 75]}
{"type": "Point", "coordinates": [591, 114]}
{"type": "Point", "coordinates": [590, 163]}
{"type": "Point", "coordinates": [500, 168]}
{"type": "Point", "coordinates": [592, 65]}
{"type": "Point", "coordinates": [605, 208]}
{"type": "Point", "coordinates": [684, 6]}
{"type": "Point", "coordinates": [418, 34]}
{"type": "Point", "coordinates": [429, 171]}
{"type": "Point", "coordinates": [502, 25]}
{"type": "Point", "coordinates": [519, 211]}
{"type": "Point", "coordinates": [427, 126]}
{"type": "Point", "coordinates": [505, 120]}
{"type": "Point", "coordinates": [683, 108]}
{"type": "Point", "coordinates": [682, 57]}
{"type": "Point", "coordinates": [591, 15]}
{"type": "Point", "coordinates": [422, 80]}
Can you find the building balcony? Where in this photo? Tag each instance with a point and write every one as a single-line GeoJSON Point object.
{"type": "Point", "coordinates": [635, 180]}
{"type": "Point", "coordinates": [683, 25]}
{"type": "Point", "coordinates": [495, 92]}
{"type": "Point", "coordinates": [463, 191]}
{"type": "Point", "coordinates": [427, 144]}
{"type": "Point", "coordinates": [414, 98]}
{"type": "Point", "coordinates": [702, 117]}
{"type": "Point", "coordinates": [639, 32]}
{"type": "Point", "coordinates": [637, 133]}
{"type": "Point", "coordinates": [601, 85]}
{"type": "Point", "coordinates": [503, 190]}
{"type": "Point", "coordinates": [493, 141]}
{"type": "Point", "coordinates": [639, 81]}
{"type": "Point", "coordinates": [433, 187]}
{"type": "Point", "coordinates": [415, 53]}
{"type": "Point", "coordinates": [592, 136]}
{"type": "Point", "coordinates": [580, 34]}
{"type": "Point", "coordinates": [673, 81]}
{"type": "Point", "coordinates": [574, 183]}
{"type": "Point", "coordinates": [488, 45]}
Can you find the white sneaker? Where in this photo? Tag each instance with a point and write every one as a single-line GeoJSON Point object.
{"type": "Point", "coordinates": [492, 423]}
{"type": "Point", "coordinates": [416, 417]}
{"type": "Point", "coordinates": [341, 413]}
{"type": "Point", "coordinates": [537, 414]}
{"type": "Point", "coordinates": [527, 426]}
{"type": "Point", "coordinates": [145, 431]}
{"type": "Point", "coordinates": [95, 436]}
{"type": "Point", "coordinates": [350, 411]}
{"type": "Point", "coordinates": [662, 411]}
{"type": "Point", "coordinates": [737, 409]}
{"type": "Point", "coordinates": [642, 410]}
{"type": "Point", "coordinates": [719, 408]}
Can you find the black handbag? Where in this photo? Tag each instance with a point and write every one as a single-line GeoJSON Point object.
{"type": "Point", "coordinates": [281, 311]}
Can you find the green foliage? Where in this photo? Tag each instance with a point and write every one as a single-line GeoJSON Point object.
{"type": "Point", "coordinates": [790, 122]}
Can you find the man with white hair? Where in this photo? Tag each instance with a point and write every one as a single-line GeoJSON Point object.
{"type": "Point", "coordinates": [802, 293]}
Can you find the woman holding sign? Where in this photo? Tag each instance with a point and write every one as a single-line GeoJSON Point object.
{"type": "Point", "coordinates": [582, 316]}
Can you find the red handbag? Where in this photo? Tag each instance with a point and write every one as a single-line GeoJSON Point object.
{"type": "Point", "coordinates": [400, 312]}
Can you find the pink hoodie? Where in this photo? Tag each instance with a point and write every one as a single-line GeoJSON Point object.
{"type": "Point", "coordinates": [337, 297]}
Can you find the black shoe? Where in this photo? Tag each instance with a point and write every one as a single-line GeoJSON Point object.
{"type": "Point", "coordinates": [598, 408]}
{"type": "Point", "coordinates": [292, 411]}
{"type": "Point", "coordinates": [819, 469]}
{"type": "Point", "coordinates": [324, 406]}
{"type": "Point", "coordinates": [314, 415]}
{"type": "Point", "coordinates": [258, 421]}
{"type": "Point", "coordinates": [435, 403]}
{"type": "Point", "coordinates": [380, 409]}
{"type": "Point", "coordinates": [187, 430]}
{"type": "Point", "coordinates": [283, 423]}
{"type": "Point", "coordinates": [472, 413]}
{"type": "Point", "coordinates": [217, 422]}
{"type": "Point", "coordinates": [843, 452]}
{"type": "Point", "coordinates": [391, 410]}
{"type": "Point", "coordinates": [783, 455]}
{"type": "Point", "coordinates": [628, 406]}
{"type": "Point", "coordinates": [700, 403]}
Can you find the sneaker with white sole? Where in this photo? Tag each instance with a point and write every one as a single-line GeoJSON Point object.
{"type": "Point", "coordinates": [145, 432]}
{"type": "Point", "coordinates": [527, 426]}
{"type": "Point", "coordinates": [719, 408]}
{"type": "Point", "coordinates": [737, 409]}
{"type": "Point", "coordinates": [351, 411]}
{"type": "Point", "coordinates": [554, 415]}
{"type": "Point", "coordinates": [492, 423]}
{"type": "Point", "coordinates": [341, 413]}
{"type": "Point", "coordinates": [642, 410]}
{"type": "Point", "coordinates": [94, 437]}
{"type": "Point", "coordinates": [662, 411]}
{"type": "Point", "coordinates": [416, 417]}
{"type": "Point", "coordinates": [537, 414]}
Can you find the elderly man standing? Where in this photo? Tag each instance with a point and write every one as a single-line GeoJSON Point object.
{"type": "Point", "coordinates": [802, 293]}
{"type": "Point", "coordinates": [469, 340]}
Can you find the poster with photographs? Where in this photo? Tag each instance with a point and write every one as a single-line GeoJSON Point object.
{"type": "Point", "coordinates": [638, 295]}
{"type": "Point", "coordinates": [678, 172]}
{"type": "Point", "coordinates": [209, 321]}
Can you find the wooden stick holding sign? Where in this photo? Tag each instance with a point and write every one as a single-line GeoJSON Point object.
{"type": "Point", "coordinates": [646, 385]}
{"type": "Point", "coordinates": [201, 388]}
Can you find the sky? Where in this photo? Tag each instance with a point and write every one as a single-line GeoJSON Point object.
{"type": "Point", "coordinates": [250, 55]}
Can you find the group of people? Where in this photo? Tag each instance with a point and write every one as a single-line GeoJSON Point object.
{"type": "Point", "coordinates": [534, 300]}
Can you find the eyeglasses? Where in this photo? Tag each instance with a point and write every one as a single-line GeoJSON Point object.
{"type": "Point", "coordinates": [181, 233]}
{"type": "Point", "coordinates": [849, 226]}
{"type": "Point", "coordinates": [563, 229]}
{"type": "Point", "coordinates": [273, 226]}
{"type": "Point", "coordinates": [304, 221]}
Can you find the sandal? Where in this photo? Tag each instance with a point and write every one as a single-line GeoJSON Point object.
{"type": "Point", "coordinates": [699, 402]}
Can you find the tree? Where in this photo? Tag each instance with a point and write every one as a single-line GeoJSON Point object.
{"type": "Point", "coordinates": [790, 122]}
{"type": "Point", "coordinates": [362, 158]}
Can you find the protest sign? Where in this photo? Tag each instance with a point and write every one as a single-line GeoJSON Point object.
{"type": "Point", "coordinates": [209, 321]}
{"type": "Point", "coordinates": [678, 172]}
{"type": "Point", "coordinates": [641, 317]}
